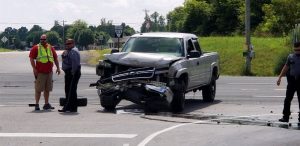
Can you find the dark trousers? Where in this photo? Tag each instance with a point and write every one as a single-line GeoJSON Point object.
{"type": "Point", "coordinates": [292, 87]}
{"type": "Point", "coordinates": [71, 82]}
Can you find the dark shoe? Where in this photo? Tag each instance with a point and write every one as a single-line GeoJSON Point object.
{"type": "Point", "coordinates": [47, 106]}
{"type": "Point", "coordinates": [62, 111]}
{"type": "Point", "coordinates": [284, 119]}
{"type": "Point", "coordinates": [37, 107]}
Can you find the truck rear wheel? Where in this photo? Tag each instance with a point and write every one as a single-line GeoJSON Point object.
{"type": "Point", "coordinates": [209, 91]}
{"type": "Point", "coordinates": [177, 104]}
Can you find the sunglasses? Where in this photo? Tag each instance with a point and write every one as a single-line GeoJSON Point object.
{"type": "Point", "coordinates": [43, 39]}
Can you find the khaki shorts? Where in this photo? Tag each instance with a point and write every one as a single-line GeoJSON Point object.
{"type": "Point", "coordinates": [44, 82]}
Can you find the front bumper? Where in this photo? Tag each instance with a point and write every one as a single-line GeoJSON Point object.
{"type": "Point", "coordinates": [137, 91]}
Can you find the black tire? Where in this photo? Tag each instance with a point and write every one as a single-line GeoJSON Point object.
{"type": "Point", "coordinates": [177, 104]}
{"type": "Point", "coordinates": [209, 91]}
{"type": "Point", "coordinates": [109, 101]}
{"type": "Point", "coordinates": [80, 101]}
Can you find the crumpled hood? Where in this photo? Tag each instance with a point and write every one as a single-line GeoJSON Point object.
{"type": "Point", "coordinates": [141, 59]}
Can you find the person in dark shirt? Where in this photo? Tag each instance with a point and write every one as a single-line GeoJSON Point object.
{"type": "Point", "coordinates": [292, 71]}
{"type": "Point", "coordinates": [72, 68]}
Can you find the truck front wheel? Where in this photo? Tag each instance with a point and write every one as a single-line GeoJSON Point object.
{"type": "Point", "coordinates": [177, 104]}
{"type": "Point", "coordinates": [209, 91]}
{"type": "Point", "coordinates": [109, 101]}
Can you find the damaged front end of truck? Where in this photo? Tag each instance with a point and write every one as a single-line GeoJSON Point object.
{"type": "Point", "coordinates": [141, 82]}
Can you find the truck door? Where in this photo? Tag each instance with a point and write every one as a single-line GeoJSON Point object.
{"type": "Point", "coordinates": [203, 65]}
{"type": "Point", "coordinates": [193, 66]}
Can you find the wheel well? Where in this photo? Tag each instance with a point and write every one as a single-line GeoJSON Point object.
{"type": "Point", "coordinates": [215, 72]}
{"type": "Point", "coordinates": [185, 78]}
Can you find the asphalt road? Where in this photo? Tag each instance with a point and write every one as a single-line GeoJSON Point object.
{"type": "Point", "coordinates": [244, 113]}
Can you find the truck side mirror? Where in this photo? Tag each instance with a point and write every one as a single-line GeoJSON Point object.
{"type": "Point", "coordinates": [194, 54]}
{"type": "Point", "coordinates": [114, 51]}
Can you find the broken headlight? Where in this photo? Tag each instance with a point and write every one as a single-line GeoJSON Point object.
{"type": "Point", "coordinates": [101, 67]}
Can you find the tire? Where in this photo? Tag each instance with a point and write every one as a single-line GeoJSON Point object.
{"type": "Point", "coordinates": [109, 101]}
{"type": "Point", "coordinates": [209, 91]}
{"type": "Point", "coordinates": [177, 104]}
{"type": "Point", "coordinates": [80, 101]}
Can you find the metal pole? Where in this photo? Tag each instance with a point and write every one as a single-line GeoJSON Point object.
{"type": "Point", "coordinates": [248, 40]}
{"type": "Point", "coordinates": [118, 43]}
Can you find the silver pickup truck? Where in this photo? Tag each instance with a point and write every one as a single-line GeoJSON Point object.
{"type": "Point", "coordinates": [157, 69]}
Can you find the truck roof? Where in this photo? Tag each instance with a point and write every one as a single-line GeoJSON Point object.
{"type": "Point", "coordinates": [165, 34]}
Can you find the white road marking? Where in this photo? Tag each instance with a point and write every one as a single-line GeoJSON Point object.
{"type": "Point", "coordinates": [249, 89]}
{"type": "Point", "coordinates": [250, 83]}
{"type": "Point", "coordinates": [72, 135]}
{"type": "Point", "coordinates": [149, 138]}
{"type": "Point", "coordinates": [280, 89]}
{"type": "Point", "coordinates": [263, 96]}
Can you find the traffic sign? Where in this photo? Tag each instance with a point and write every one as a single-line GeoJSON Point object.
{"type": "Point", "coordinates": [119, 31]}
{"type": "Point", "coordinates": [4, 39]}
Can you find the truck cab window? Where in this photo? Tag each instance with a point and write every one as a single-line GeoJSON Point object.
{"type": "Point", "coordinates": [190, 46]}
{"type": "Point", "coordinates": [197, 46]}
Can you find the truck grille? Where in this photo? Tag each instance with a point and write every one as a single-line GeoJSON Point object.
{"type": "Point", "coordinates": [139, 73]}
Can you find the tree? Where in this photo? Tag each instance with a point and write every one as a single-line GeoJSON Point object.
{"type": "Point", "coordinates": [280, 17]}
{"type": "Point", "coordinates": [53, 38]}
{"type": "Point", "coordinates": [58, 28]}
{"type": "Point", "coordinates": [33, 38]}
{"type": "Point", "coordinates": [154, 22]}
{"type": "Point", "coordinates": [146, 24]}
{"type": "Point", "coordinates": [224, 17]}
{"type": "Point", "coordinates": [36, 28]}
{"type": "Point", "coordinates": [22, 33]}
{"type": "Point", "coordinates": [161, 23]}
{"type": "Point", "coordinates": [106, 26]}
{"type": "Point", "coordinates": [198, 13]}
{"type": "Point", "coordinates": [127, 30]}
{"type": "Point", "coordinates": [154, 18]}
{"type": "Point", "coordinates": [175, 19]}
{"type": "Point", "coordinates": [84, 37]}
{"type": "Point", "coordinates": [77, 26]}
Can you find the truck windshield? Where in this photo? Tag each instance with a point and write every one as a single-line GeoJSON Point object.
{"type": "Point", "coordinates": [161, 45]}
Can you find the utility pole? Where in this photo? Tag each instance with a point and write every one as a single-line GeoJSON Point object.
{"type": "Point", "coordinates": [147, 20]}
{"type": "Point", "coordinates": [249, 53]}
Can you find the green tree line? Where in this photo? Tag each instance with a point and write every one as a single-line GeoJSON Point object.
{"type": "Point", "coordinates": [227, 17]}
{"type": "Point", "coordinates": [80, 31]}
{"type": "Point", "coordinates": [201, 17]}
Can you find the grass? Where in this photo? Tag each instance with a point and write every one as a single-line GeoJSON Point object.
{"type": "Point", "coordinates": [230, 49]}
{"type": "Point", "coordinates": [95, 55]}
{"type": "Point", "coordinates": [4, 50]}
{"type": "Point", "coordinates": [232, 62]}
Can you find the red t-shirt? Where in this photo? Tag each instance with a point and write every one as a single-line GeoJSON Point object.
{"type": "Point", "coordinates": [42, 67]}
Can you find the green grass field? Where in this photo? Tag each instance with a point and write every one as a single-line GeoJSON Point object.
{"type": "Point", "coordinates": [230, 49]}
{"type": "Point", "coordinates": [4, 50]}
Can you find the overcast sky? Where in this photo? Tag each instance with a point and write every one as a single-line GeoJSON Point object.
{"type": "Point", "coordinates": [18, 13]}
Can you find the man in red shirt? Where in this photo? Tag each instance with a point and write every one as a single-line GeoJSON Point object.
{"type": "Point", "coordinates": [42, 56]}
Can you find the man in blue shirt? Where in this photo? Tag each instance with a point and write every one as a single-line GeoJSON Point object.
{"type": "Point", "coordinates": [292, 71]}
{"type": "Point", "coordinates": [71, 66]}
